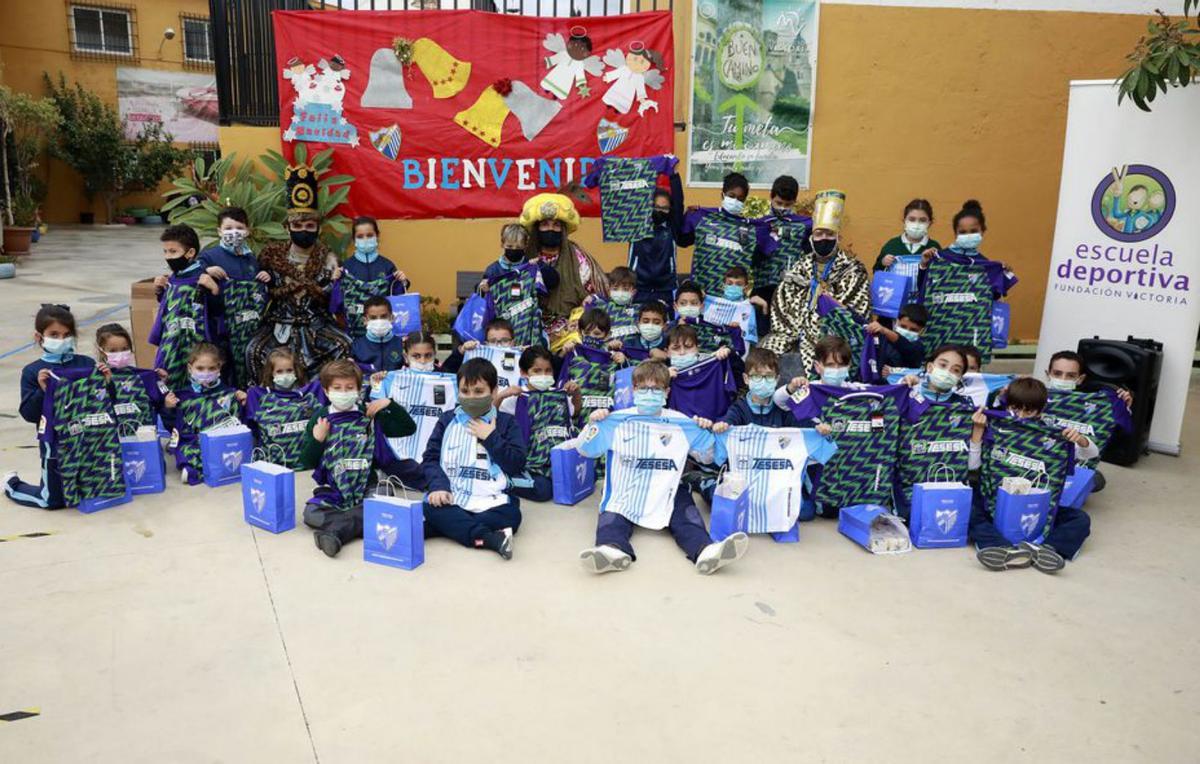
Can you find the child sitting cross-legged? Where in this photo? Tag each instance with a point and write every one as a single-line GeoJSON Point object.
{"type": "Point", "coordinates": [645, 449]}
{"type": "Point", "coordinates": [472, 454]}
{"type": "Point", "coordinates": [340, 445]}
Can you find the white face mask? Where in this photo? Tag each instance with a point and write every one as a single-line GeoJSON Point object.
{"type": "Point", "coordinates": [421, 365]}
{"type": "Point", "coordinates": [688, 311]}
{"type": "Point", "coordinates": [233, 238]}
{"type": "Point", "coordinates": [342, 400]}
{"type": "Point", "coordinates": [1063, 385]}
{"type": "Point", "coordinates": [379, 327]}
{"type": "Point", "coordinates": [541, 381]}
{"type": "Point", "coordinates": [915, 230]}
{"type": "Point", "coordinates": [732, 206]}
{"type": "Point", "coordinates": [285, 380]}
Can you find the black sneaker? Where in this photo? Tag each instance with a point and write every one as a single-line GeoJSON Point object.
{"type": "Point", "coordinates": [1045, 557]}
{"type": "Point", "coordinates": [1004, 557]}
{"type": "Point", "coordinates": [1098, 482]}
{"type": "Point", "coordinates": [327, 543]}
{"type": "Point", "coordinates": [499, 542]}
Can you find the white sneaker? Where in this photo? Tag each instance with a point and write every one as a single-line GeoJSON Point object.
{"type": "Point", "coordinates": [604, 559]}
{"type": "Point", "coordinates": [720, 553]}
{"type": "Point", "coordinates": [185, 476]}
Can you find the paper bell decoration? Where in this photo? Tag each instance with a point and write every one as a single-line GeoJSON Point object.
{"type": "Point", "coordinates": [446, 74]}
{"type": "Point", "coordinates": [485, 118]}
{"type": "Point", "coordinates": [533, 111]}
{"type": "Point", "coordinates": [385, 85]}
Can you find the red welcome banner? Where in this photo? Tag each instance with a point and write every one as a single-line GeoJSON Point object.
{"type": "Point", "coordinates": [477, 111]}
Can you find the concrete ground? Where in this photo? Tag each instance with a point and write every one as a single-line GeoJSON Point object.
{"type": "Point", "coordinates": [167, 630]}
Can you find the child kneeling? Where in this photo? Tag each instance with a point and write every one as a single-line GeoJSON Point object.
{"type": "Point", "coordinates": [340, 445]}
{"type": "Point", "coordinates": [472, 453]}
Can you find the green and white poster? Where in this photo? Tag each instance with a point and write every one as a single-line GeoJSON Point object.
{"type": "Point", "coordinates": [753, 85]}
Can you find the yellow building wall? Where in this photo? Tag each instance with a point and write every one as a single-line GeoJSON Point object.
{"type": "Point", "coordinates": [946, 104]}
{"type": "Point", "coordinates": [35, 38]}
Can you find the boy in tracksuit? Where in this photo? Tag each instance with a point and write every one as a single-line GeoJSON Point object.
{"type": "Point", "coordinates": [472, 454]}
{"type": "Point", "coordinates": [340, 444]}
{"type": "Point", "coordinates": [379, 350]}
{"type": "Point", "coordinates": [243, 291]}
{"type": "Point", "coordinates": [900, 345]}
{"type": "Point", "coordinates": [652, 259]}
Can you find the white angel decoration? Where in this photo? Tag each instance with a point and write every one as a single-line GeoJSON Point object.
{"type": "Point", "coordinates": [330, 89]}
{"type": "Point", "coordinates": [631, 74]}
{"type": "Point", "coordinates": [569, 63]}
{"type": "Point", "coordinates": [302, 77]}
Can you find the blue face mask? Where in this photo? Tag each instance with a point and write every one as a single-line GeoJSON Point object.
{"type": "Point", "coordinates": [56, 350]}
{"type": "Point", "coordinates": [968, 241]}
{"type": "Point", "coordinates": [908, 334]}
{"type": "Point", "coordinates": [649, 401]}
{"type": "Point", "coordinates": [732, 206]}
{"type": "Point", "coordinates": [762, 387]}
{"type": "Point", "coordinates": [366, 250]}
{"type": "Point", "coordinates": [835, 375]}
{"type": "Point", "coordinates": [734, 293]}
{"type": "Point", "coordinates": [684, 361]}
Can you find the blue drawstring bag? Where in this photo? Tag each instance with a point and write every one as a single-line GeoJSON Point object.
{"type": "Point", "coordinates": [1001, 315]}
{"type": "Point", "coordinates": [394, 528]}
{"type": "Point", "coordinates": [223, 451]}
{"type": "Point", "coordinates": [144, 465]}
{"type": "Point", "coordinates": [623, 389]}
{"type": "Point", "coordinates": [940, 514]}
{"type": "Point", "coordinates": [1078, 488]}
{"type": "Point", "coordinates": [889, 292]}
{"type": "Point", "coordinates": [1022, 516]}
{"type": "Point", "coordinates": [471, 318]}
{"type": "Point", "coordinates": [406, 313]}
{"type": "Point", "coordinates": [730, 508]}
{"type": "Point", "coordinates": [572, 475]}
{"type": "Point", "coordinates": [268, 495]}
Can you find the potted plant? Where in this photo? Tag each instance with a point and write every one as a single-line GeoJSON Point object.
{"type": "Point", "coordinates": [92, 140]}
{"type": "Point", "coordinates": [22, 215]}
{"type": "Point", "coordinates": [28, 122]}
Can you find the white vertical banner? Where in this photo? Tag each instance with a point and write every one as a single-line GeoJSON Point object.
{"type": "Point", "coordinates": [1126, 254]}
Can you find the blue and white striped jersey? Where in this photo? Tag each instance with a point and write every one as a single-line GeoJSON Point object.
{"type": "Point", "coordinates": [503, 359]}
{"type": "Point", "coordinates": [645, 456]}
{"type": "Point", "coordinates": [425, 395]}
{"type": "Point", "coordinates": [477, 483]}
{"type": "Point", "coordinates": [772, 459]}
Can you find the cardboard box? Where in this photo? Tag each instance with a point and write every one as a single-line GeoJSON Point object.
{"type": "Point", "coordinates": [143, 307]}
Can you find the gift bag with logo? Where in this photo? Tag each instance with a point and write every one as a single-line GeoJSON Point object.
{"type": "Point", "coordinates": [144, 464]}
{"type": "Point", "coordinates": [471, 318]}
{"type": "Point", "coordinates": [623, 389]}
{"type": "Point", "coordinates": [889, 292]}
{"type": "Point", "coordinates": [223, 451]}
{"type": "Point", "coordinates": [874, 528]}
{"type": "Point", "coordinates": [572, 474]}
{"type": "Point", "coordinates": [908, 266]}
{"type": "Point", "coordinates": [268, 493]}
{"type": "Point", "coordinates": [1022, 510]}
{"type": "Point", "coordinates": [1078, 488]}
{"type": "Point", "coordinates": [1001, 313]}
{"type": "Point", "coordinates": [393, 528]}
{"type": "Point", "coordinates": [406, 312]}
{"type": "Point", "coordinates": [941, 513]}
{"type": "Point", "coordinates": [730, 508]}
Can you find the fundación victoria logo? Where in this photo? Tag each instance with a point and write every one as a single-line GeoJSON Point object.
{"type": "Point", "coordinates": [1132, 204]}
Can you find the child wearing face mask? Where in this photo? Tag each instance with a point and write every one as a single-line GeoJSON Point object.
{"type": "Point", "coordinates": [758, 406]}
{"type": "Point", "coordinates": [1018, 442]}
{"type": "Point", "coordinates": [54, 331]}
{"type": "Point", "coordinates": [900, 345]}
{"type": "Point", "coordinates": [364, 275]}
{"type": "Point", "coordinates": [379, 350]}
{"type": "Point", "coordinates": [689, 306]}
{"type": "Point", "coordinates": [498, 333]}
{"type": "Point", "coordinates": [189, 306]}
{"type": "Point", "coordinates": [340, 446]}
{"type": "Point", "coordinates": [591, 364]}
{"type": "Point", "coordinates": [621, 310]}
{"type": "Point", "coordinates": [959, 285]}
{"type": "Point", "coordinates": [724, 237]}
{"type": "Point", "coordinates": [473, 453]}
{"type": "Point", "coordinates": [232, 264]}
{"type": "Point", "coordinates": [791, 230]}
{"type": "Point", "coordinates": [280, 406]}
{"type": "Point", "coordinates": [546, 416]}
{"type": "Point", "coordinates": [649, 342]}
{"type": "Point", "coordinates": [702, 385]}
{"type": "Point", "coordinates": [137, 393]}
{"type": "Point", "coordinates": [645, 450]}
{"type": "Point", "coordinates": [652, 259]}
{"type": "Point", "coordinates": [204, 403]}
{"type": "Point", "coordinates": [831, 366]}
{"type": "Point", "coordinates": [514, 248]}
{"type": "Point", "coordinates": [900, 251]}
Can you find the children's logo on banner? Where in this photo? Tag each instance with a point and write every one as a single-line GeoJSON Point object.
{"type": "Point", "coordinates": [470, 113]}
{"type": "Point", "coordinates": [1134, 203]}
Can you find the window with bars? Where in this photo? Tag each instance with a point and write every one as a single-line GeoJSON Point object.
{"type": "Point", "coordinates": [197, 40]}
{"type": "Point", "coordinates": [98, 30]}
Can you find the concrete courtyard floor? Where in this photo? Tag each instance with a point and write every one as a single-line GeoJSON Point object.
{"type": "Point", "coordinates": [167, 630]}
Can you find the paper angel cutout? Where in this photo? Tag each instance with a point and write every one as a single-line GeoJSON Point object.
{"type": "Point", "coordinates": [328, 83]}
{"type": "Point", "coordinates": [569, 63]}
{"type": "Point", "coordinates": [630, 76]}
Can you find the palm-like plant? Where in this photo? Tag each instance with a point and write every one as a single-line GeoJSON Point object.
{"type": "Point", "coordinates": [197, 198]}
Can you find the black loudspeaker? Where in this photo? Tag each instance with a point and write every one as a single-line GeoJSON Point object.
{"type": "Point", "coordinates": [1136, 365]}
